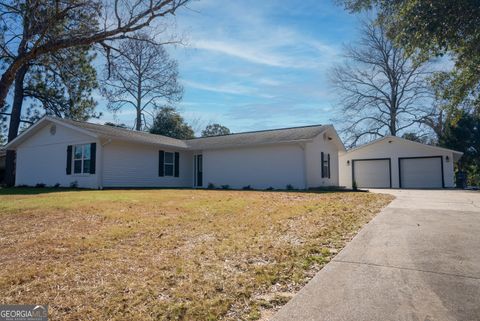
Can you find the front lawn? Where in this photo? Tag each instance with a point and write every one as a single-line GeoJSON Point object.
{"type": "Point", "coordinates": [169, 254]}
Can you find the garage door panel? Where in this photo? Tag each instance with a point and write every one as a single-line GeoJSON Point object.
{"type": "Point", "coordinates": [423, 172]}
{"type": "Point", "coordinates": [372, 173]}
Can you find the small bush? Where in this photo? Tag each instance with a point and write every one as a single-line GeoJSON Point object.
{"type": "Point", "coordinates": [56, 185]}
{"type": "Point", "coordinates": [290, 187]}
{"type": "Point", "coordinates": [74, 184]}
{"type": "Point", "coordinates": [40, 185]}
{"type": "Point", "coordinates": [226, 186]}
{"type": "Point", "coordinates": [269, 188]}
{"type": "Point", "coordinates": [247, 188]}
{"type": "Point", "coordinates": [211, 186]}
{"type": "Point", "coordinates": [354, 186]}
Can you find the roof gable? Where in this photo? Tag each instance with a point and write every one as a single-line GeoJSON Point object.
{"type": "Point", "coordinates": [404, 141]}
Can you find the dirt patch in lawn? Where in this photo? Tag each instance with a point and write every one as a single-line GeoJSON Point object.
{"type": "Point", "coordinates": [171, 254]}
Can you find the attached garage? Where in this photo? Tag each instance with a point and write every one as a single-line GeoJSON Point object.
{"type": "Point", "coordinates": [394, 162]}
{"type": "Point", "coordinates": [372, 173]}
{"type": "Point", "coordinates": [421, 172]}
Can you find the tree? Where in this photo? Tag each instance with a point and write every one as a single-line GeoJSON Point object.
{"type": "Point", "coordinates": [32, 29]}
{"type": "Point", "coordinates": [168, 122]}
{"type": "Point", "coordinates": [141, 76]}
{"type": "Point", "coordinates": [215, 130]}
{"type": "Point", "coordinates": [415, 137]}
{"type": "Point", "coordinates": [464, 136]}
{"type": "Point", "coordinates": [436, 28]}
{"type": "Point", "coordinates": [61, 84]}
{"type": "Point", "coordinates": [382, 90]}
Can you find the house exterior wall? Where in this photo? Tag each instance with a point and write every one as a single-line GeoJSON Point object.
{"type": "Point", "coordinates": [260, 167]}
{"type": "Point", "coordinates": [394, 149]}
{"type": "Point", "coordinates": [136, 165]}
{"type": "Point", "coordinates": [43, 158]}
{"type": "Point", "coordinates": [313, 151]}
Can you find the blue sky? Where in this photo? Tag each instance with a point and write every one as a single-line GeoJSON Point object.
{"type": "Point", "coordinates": [257, 64]}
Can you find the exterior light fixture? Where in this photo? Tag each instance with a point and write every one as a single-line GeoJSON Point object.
{"type": "Point", "coordinates": [447, 159]}
{"type": "Point", "coordinates": [348, 162]}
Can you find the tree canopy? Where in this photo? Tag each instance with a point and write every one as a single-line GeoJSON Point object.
{"type": "Point", "coordinates": [168, 122]}
{"type": "Point", "coordinates": [141, 76]}
{"type": "Point", "coordinates": [464, 136]}
{"type": "Point", "coordinates": [436, 28]}
{"type": "Point", "coordinates": [215, 130]}
{"type": "Point", "coordinates": [61, 84]}
{"type": "Point", "coordinates": [382, 91]}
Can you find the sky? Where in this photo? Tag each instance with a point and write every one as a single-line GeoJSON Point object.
{"type": "Point", "coordinates": [252, 65]}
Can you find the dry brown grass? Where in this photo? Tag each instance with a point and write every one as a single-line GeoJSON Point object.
{"type": "Point", "coordinates": [170, 254]}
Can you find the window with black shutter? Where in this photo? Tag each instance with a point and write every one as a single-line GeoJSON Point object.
{"type": "Point", "coordinates": [168, 164]}
{"type": "Point", "coordinates": [325, 165]}
{"type": "Point", "coordinates": [81, 158]}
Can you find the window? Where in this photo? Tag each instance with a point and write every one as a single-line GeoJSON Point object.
{"type": "Point", "coordinates": [325, 159]}
{"type": "Point", "coordinates": [169, 164]}
{"type": "Point", "coordinates": [82, 159]}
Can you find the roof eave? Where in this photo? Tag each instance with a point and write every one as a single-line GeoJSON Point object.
{"type": "Point", "coordinates": [193, 148]}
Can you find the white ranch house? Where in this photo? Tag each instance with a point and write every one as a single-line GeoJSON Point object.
{"type": "Point", "coordinates": [64, 152]}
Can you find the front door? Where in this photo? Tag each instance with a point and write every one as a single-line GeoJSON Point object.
{"type": "Point", "coordinates": [198, 171]}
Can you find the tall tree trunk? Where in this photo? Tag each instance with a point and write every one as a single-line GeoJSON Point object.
{"type": "Point", "coordinates": [138, 125]}
{"type": "Point", "coordinates": [15, 123]}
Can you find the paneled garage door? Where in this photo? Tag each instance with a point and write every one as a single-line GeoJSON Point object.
{"type": "Point", "coordinates": [421, 172]}
{"type": "Point", "coordinates": [372, 173]}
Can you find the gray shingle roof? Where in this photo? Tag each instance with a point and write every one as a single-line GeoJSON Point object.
{"type": "Point", "coordinates": [257, 138]}
{"type": "Point", "coordinates": [261, 137]}
{"type": "Point", "coordinates": [126, 134]}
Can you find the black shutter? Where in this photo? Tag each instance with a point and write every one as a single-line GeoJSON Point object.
{"type": "Point", "coordinates": [177, 162]}
{"type": "Point", "coordinates": [161, 160]}
{"type": "Point", "coordinates": [328, 159]}
{"type": "Point", "coordinates": [322, 160]}
{"type": "Point", "coordinates": [69, 160]}
{"type": "Point", "coordinates": [93, 157]}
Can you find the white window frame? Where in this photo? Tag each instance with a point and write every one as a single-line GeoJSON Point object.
{"type": "Point", "coordinates": [82, 159]}
{"type": "Point", "coordinates": [165, 164]}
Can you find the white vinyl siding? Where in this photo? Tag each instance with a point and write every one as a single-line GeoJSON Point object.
{"type": "Point", "coordinates": [43, 159]}
{"type": "Point", "coordinates": [260, 167]}
{"type": "Point", "coordinates": [136, 165]}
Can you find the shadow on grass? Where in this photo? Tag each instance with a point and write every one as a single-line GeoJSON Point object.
{"type": "Point", "coordinates": [46, 190]}
{"type": "Point", "coordinates": [35, 190]}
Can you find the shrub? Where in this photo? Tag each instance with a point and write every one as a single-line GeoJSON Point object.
{"type": "Point", "coordinates": [74, 184]}
{"type": "Point", "coordinates": [211, 186]}
{"type": "Point", "coordinates": [247, 188]}
{"type": "Point", "coordinates": [290, 187]}
{"type": "Point", "coordinates": [269, 188]}
{"type": "Point", "coordinates": [56, 185]}
{"type": "Point", "coordinates": [226, 186]}
{"type": "Point", "coordinates": [354, 186]}
{"type": "Point", "coordinates": [40, 185]}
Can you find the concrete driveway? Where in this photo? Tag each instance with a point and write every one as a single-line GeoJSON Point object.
{"type": "Point", "coordinates": [417, 260]}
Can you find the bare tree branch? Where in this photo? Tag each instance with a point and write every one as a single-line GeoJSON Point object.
{"type": "Point", "coordinates": [141, 75]}
{"type": "Point", "coordinates": [382, 91]}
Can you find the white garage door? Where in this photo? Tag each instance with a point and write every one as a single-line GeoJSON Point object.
{"type": "Point", "coordinates": [421, 172]}
{"type": "Point", "coordinates": [372, 173]}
